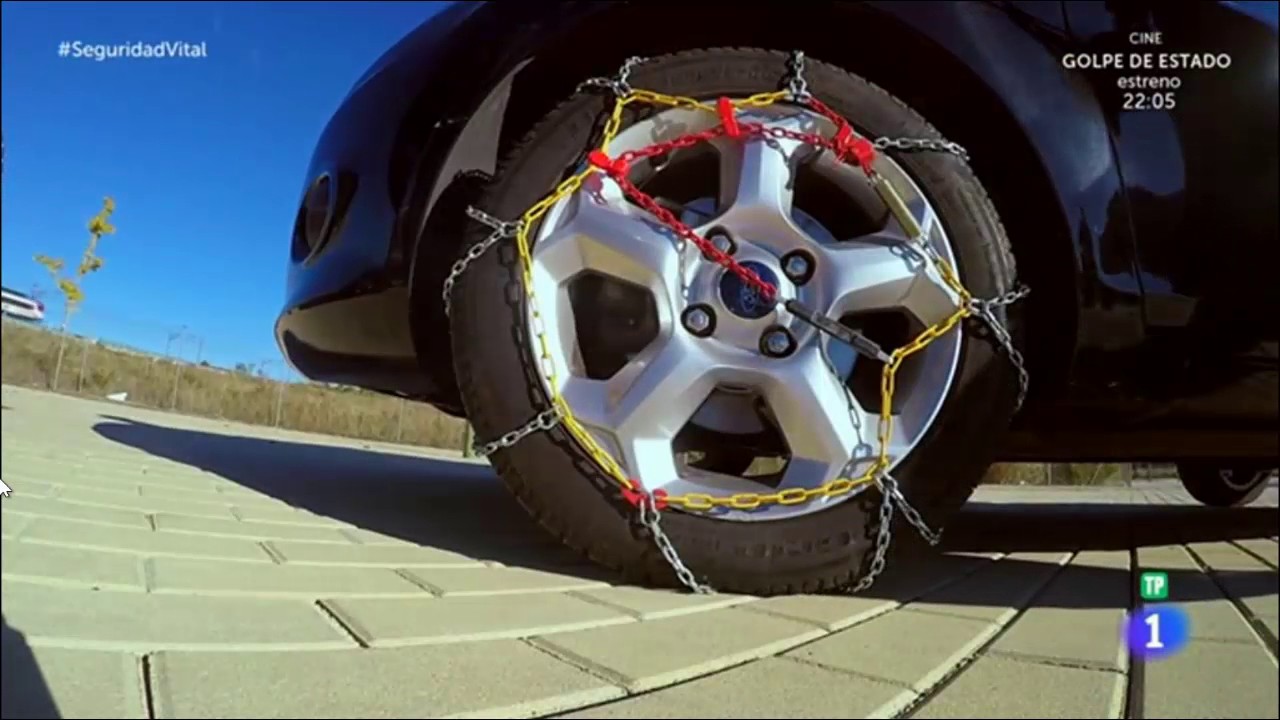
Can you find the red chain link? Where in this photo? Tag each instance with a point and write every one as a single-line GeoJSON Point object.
{"type": "Point", "coordinates": [844, 144]}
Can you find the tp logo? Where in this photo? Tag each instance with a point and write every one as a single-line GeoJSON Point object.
{"type": "Point", "coordinates": [1153, 586]}
{"type": "Point", "coordinates": [1157, 632]}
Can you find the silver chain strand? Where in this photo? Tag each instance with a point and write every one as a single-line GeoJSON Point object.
{"type": "Point", "coordinates": [921, 144]}
{"type": "Point", "coordinates": [501, 230]}
{"type": "Point", "coordinates": [649, 515]}
{"type": "Point", "coordinates": [544, 420]}
{"type": "Point", "coordinates": [985, 309]}
{"type": "Point", "coordinates": [796, 83]}
{"type": "Point", "coordinates": [620, 84]}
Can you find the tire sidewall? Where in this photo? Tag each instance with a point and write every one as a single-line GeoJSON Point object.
{"type": "Point", "coordinates": [558, 483]}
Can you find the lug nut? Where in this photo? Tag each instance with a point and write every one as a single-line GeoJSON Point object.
{"type": "Point", "coordinates": [777, 342]}
{"type": "Point", "coordinates": [722, 241]}
{"type": "Point", "coordinates": [699, 320]}
{"type": "Point", "coordinates": [798, 266]}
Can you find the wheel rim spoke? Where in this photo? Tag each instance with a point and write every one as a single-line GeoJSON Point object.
{"type": "Point", "coordinates": [645, 404]}
{"type": "Point", "coordinates": [872, 276]}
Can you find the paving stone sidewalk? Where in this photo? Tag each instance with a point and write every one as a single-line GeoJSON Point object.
{"type": "Point", "coordinates": [156, 565]}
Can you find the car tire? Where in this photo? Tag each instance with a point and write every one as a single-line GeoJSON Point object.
{"type": "Point", "coordinates": [1223, 485]}
{"type": "Point", "coordinates": [561, 487]}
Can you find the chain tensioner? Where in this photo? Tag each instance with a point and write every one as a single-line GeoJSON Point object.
{"type": "Point", "coordinates": [847, 147]}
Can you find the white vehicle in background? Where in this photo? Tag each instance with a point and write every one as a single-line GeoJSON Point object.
{"type": "Point", "coordinates": [21, 306]}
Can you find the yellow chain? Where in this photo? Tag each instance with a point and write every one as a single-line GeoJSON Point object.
{"type": "Point", "coordinates": [737, 501]}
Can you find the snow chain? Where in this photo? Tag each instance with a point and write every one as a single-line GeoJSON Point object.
{"type": "Point", "coordinates": [847, 147]}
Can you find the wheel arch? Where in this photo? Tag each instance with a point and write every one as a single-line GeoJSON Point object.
{"type": "Point", "coordinates": [947, 77]}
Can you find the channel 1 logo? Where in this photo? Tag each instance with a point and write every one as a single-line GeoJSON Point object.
{"type": "Point", "coordinates": [1155, 632]}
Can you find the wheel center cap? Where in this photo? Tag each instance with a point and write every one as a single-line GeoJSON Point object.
{"type": "Point", "coordinates": [744, 299]}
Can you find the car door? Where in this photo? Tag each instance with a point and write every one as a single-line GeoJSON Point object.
{"type": "Point", "coordinates": [1191, 96]}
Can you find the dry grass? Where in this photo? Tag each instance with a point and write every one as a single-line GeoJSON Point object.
{"type": "Point", "coordinates": [29, 357]}
{"type": "Point", "coordinates": [93, 369]}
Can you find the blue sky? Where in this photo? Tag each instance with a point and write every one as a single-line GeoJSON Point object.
{"type": "Point", "coordinates": [204, 157]}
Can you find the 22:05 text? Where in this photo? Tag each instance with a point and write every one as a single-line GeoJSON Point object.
{"type": "Point", "coordinates": [1149, 101]}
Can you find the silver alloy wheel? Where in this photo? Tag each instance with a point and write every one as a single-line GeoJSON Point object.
{"type": "Point", "coordinates": [637, 412]}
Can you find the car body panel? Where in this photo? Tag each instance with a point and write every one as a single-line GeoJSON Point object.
{"type": "Point", "coordinates": [415, 123]}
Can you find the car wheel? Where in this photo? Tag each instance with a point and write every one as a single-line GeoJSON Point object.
{"type": "Point", "coordinates": [1217, 485]}
{"type": "Point", "coordinates": [613, 291]}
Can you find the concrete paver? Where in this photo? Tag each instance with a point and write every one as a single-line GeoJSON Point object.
{"type": "Point", "coordinates": [905, 648]}
{"type": "Point", "coordinates": [1004, 688]}
{"type": "Point", "coordinates": [651, 604]}
{"type": "Point", "coordinates": [247, 529]}
{"type": "Point", "coordinates": [130, 573]}
{"type": "Point", "coordinates": [391, 622]}
{"type": "Point", "coordinates": [70, 533]}
{"type": "Point", "coordinates": [137, 621]}
{"type": "Point", "coordinates": [1242, 683]}
{"type": "Point", "coordinates": [206, 577]}
{"type": "Point", "coordinates": [49, 507]}
{"type": "Point", "coordinates": [1212, 615]}
{"type": "Point", "coordinates": [68, 683]}
{"type": "Point", "coordinates": [770, 688]}
{"type": "Point", "coordinates": [406, 556]}
{"type": "Point", "coordinates": [502, 678]}
{"type": "Point", "coordinates": [88, 569]}
{"type": "Point", "coordinates": [1078, 616]}
{"type": "Point", "coordinates": [641, 656]}
{"type": "Point", "coordinates": [496, 581]}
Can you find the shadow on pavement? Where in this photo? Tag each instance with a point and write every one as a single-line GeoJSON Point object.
{"type": "Point", "coordinates": [455, 506]}
{"type": "Point", "coordinates": [463, 508]}
{"type": "Point", "coordinates": [23, 691]}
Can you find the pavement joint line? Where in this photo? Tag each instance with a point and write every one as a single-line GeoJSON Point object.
{"type": "Point", "coordinates": [1055, 662]}
{"type": "Point", "coordinates": [272, 552]}
{"type": "Point", "coordinates": [147, 571]}
{"type": "Point", "coordinates": [64, 518]}
{"type": "Point", "coordinates": [240, 536]}
{"type": "Point", "coordinates": [348, 534]}
{"type": "Point", "coordinates": [128, 551]}
{"type": "Point", "coordinates": [946, 673]}
{"type": "Point", "coordinates": [109, 505]}
{"type": "Point", "coordinates": [419, 582]}
{"type": "Point", "coordinates": [1259, 629]}
{"type": "Point", "coordinates": [577, 594]}
{"type": "Point", "coordinates": [1133, 701]}
{"type": "Point", "coordinates": [818, 635]}
{"type": "Point", "coordinates": [845, 671]}
{"type": "Point", "coordinates": [576, 661]}
{"type": "Point", "coordinates": [1253, 554]}
{"type": "Point", "coordinates": [509, 634]}
{"type": "Point", "coordinates": [140, 646]}
{"type": "Point", "coordinates": [883, 608]}
{"type": "Point", "coordinates": [144, 677]}
{"type": "Point", "coordinates": [346, 626]}
{"type": "Point", "coordinates": [70, 583]}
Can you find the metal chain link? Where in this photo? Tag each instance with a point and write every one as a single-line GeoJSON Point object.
{"type": "Point", "coordinates": [619, 84]}
{"type": "Point", "coordinates": [544, 420]}
{"type": "Point", "coordinates": [985, 310]}
{"type": "Point", "coordinates": [650, 517]}
{"type": "Point", "coordinates": [921, 144]}
{"type": "Point", "coordinates": [501, 230]}
{"type": "Point", "coordinates": [884, 538]}
{"type": "Point", "coordinates": [796, 83]}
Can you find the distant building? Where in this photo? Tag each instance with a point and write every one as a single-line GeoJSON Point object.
{"type": "Point", "coordinates": [21, 306]}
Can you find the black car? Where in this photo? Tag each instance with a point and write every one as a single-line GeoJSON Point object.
{"type": "Point", "coordinates": [800, 281]}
